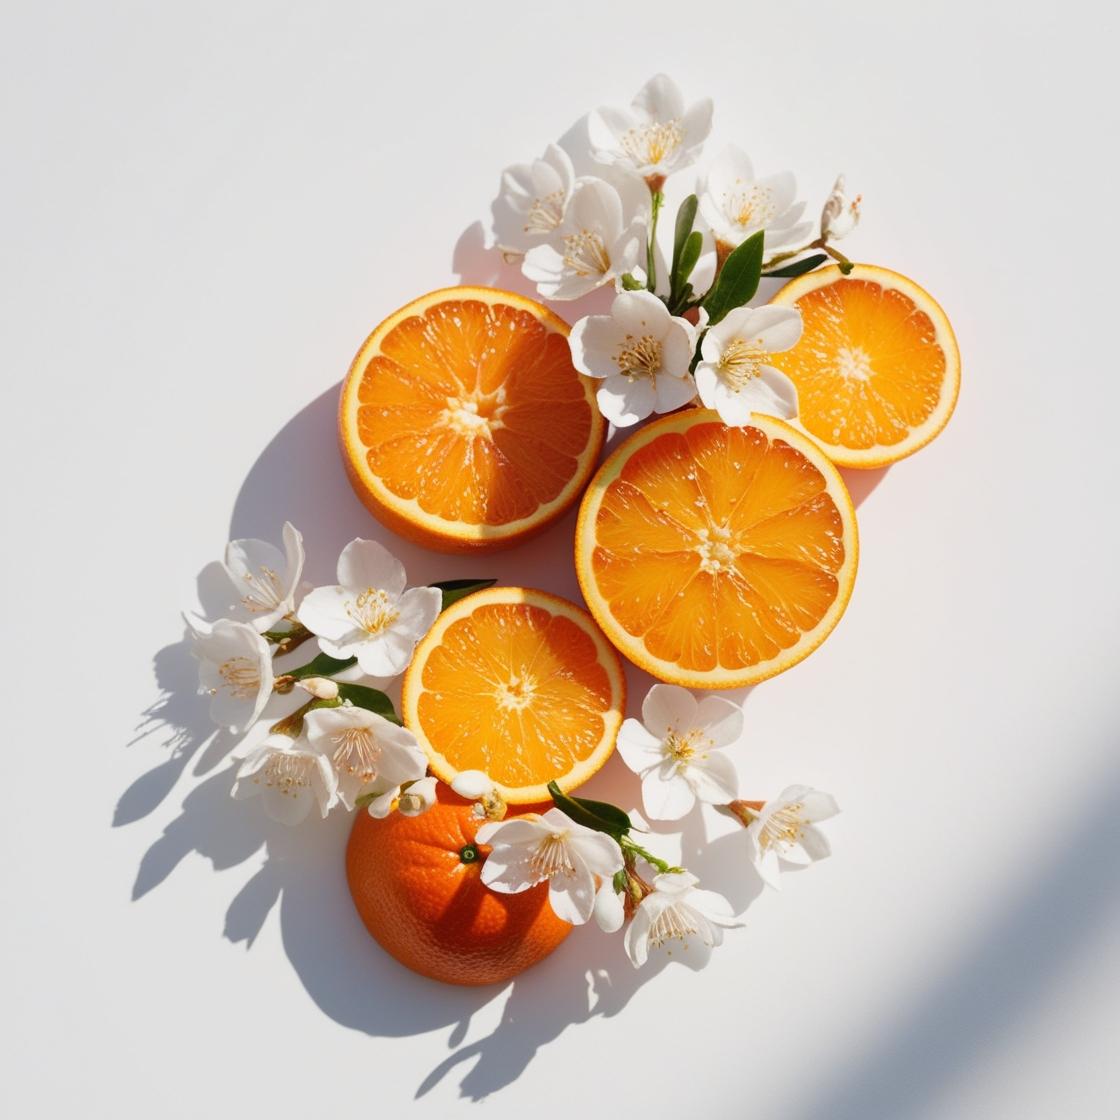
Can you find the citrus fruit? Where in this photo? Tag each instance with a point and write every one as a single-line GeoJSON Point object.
{"type": "Point", "coordinates": [464, 424]}
{"type": "Point", "coordinates": [877, 368]}
{"type": "Point", "coordinates": [519, 684]}
{"type": "Point", "coordinates": [415, 882]}
{"type": "Point", "coordinates": [715, 557]}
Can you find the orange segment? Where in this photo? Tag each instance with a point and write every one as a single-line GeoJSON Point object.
{"type": "Point", "coordinates": [877, 368]}
{"type": "Point", "coordinates": [715, 557]}
{"type": "Point", "coordinates": [518, 684]}
{"type": "Point", "coordinates": [464, 424]}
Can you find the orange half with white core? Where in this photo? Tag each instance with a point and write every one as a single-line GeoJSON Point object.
{"type": "Point", "coordinates": [464, 425]}
{"type": "Point", "coordinates": [716, 556]}
{"type": "Point", "coordinates": [877, 367]}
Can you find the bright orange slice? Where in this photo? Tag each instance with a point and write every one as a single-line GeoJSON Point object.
{"type": "Point", "coordinates": [715, 557]}
{"type": "Point", "coordinates": [519, 684]}
{"type": "Point", "coordinates": [464, 424]}
{"type": "Point", "coordinates": [877, 369]}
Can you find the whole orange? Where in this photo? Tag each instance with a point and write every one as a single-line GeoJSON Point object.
{"type": "Point", "coordinates": [417, 886]}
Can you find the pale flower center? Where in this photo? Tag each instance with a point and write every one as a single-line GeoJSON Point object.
{"type": "Point", "coordinates": [356, 753]}
{"type": "Point", "coordinates": [286, 773]}
{"type": "Point", "coordinates": [545, 214]}
{"type": "Point", "coordinates": [686, 747]}
{"type": "Point", "coordinates": [516, 693]}
{"type": "Point", "coordinates": [266, 592]}
{"type": "Point", "coordinates": [752, 206]}
{"type": "Point", "coordinates": [551, 857]}
{"type": "Point", "coordinates": [241, 675]}
{"type": "Point", "coordinates": [585, 254]}
{"type": "Point", "coordinates": [674, 922]}
{"type": "Point", "coordinates": [651, 143]}
{"type": "Point", "coordinates": [741, 362]}
{"type": "Point", "coordinates": [853, 363]}
{"type": "Point", "coordinates": [783, 828]}
{"type": "Point", "coordinates": [373, 611]}
{"type": "Point", "coordinates": [639, 357]}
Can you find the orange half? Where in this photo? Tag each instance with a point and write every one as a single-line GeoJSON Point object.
{"type": "Point", "coordinates": [464, 425]}
{"type": "Point", "coordinates": [877, 368]}
{"type": "Point", "coordinates": [715, 557]}
{"type": "Point", "coordinates": [519, 684]}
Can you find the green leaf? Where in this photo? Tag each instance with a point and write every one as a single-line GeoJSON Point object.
{"type": "Point", "coordinates": [629, 284]}
{"type": "Point", "coordinates": [456, 589]}
{"type": "Point", "coordinates": [798, 268]}
{"type": "Point", "coordinates": [738, 279]}
{"type": "Point", "coordinates": [598, 815]}
{"type": "Point", "coordinates": [321, 666]}
{"type": "Point", "coordinates": [686, 216]}
{"type": "Point", "coordinates": [690, 254]}
{"type": "Point", "coordinates": [373, 700]}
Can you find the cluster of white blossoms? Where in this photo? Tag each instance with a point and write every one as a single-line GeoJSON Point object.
{"type": "Point", "coordinates": [593, 865]}
{"type": "Point", "coordinates": [664, 345]}
{"type": "Point", "coordinates": [343, 745]}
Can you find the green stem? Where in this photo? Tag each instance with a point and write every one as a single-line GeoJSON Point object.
{"type": "Point", "coordinates": [630, 847]}
{"type": "Point", "coordinates": [651, 244]}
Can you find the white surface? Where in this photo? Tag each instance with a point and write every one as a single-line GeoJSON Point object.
{"type": "Point", "coordinates": [206, 207]}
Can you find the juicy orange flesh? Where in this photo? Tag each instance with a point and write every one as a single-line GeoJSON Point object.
{"type": "Point", "coordinates": [868, 367]}
{"type": "Point", "coordinates": [718, 546]}
{"type": "Point", "coordinates": [515, 691]}
{"type": "Point", "coordinates": [475, 411]}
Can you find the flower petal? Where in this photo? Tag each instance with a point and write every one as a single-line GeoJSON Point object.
{"type": "Point", "coordinates": [713, 778]}
{"type": "Point", "coordinates": [625, 400]}
{"type": "Point", "coordinates": [572, 895]}
{"type": "Point", "coordinates": [599, 852]}
{"type": "Point", "coordinates": [666, 799]}
{"type": "Point", "coordinates": [660, 99]}
{"type": "Point", "coordinates": [721, 719]}
{"type": "Point", "coordinates": [324, 612]}
{"type": "Point", "coordinates": [668, 708]}
{"type": "Point", "coordinates": [419, 607]}
{"type": "Point", "coordinates": [365, 564]}
{"type": "Point", "coordinates": [638, 748]}
{"type": "Point", "coordinates": [776, 328]}
{"type": "Point", "coordinates": [674, 392]}
{"type": "Point", "coordinates": [609, 911]}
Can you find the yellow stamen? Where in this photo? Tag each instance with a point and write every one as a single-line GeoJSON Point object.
{"type": "Point", "coordinates": [640, 357]}
{"type": "Point", "coordinates": [372, 611]}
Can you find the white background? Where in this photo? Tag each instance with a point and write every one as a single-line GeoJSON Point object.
{"type": "Point", "coordinates": [205, 209]}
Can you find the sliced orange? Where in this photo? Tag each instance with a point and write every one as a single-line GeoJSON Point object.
{"type": "Point", "coordinates": [519, 684]}
{"type": "Point", "coordinates": [877, 368]}
{"type": "Point", "coordinates": [464, 424]}
{"type": "Point", "coordinates": [715, 557]}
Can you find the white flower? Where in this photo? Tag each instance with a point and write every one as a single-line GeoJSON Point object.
{"type": "Point", "coordinates": [736, 205]}
{"type": "Point", "coordinates": [534, 849]}
{"type": "Point", "coordinates": [418, 798]}
{"type": "Point", "coordinates": [532, 200]}
{"type": "Point", "coordinates": [784, 830]}
{"type": "Point", "coordinates": [369, 615]}
{"type": "Point", "coordinates": [677, 910]}
{"type": "Point", "coordinates": [266, 580]}
{"type": "Point", "coordinates": [840, 214]}
{"type": "Point", "coordinates": [656, 136]}
{"type": "Point", "coordinates": [288, 777]}
{"type": "Point", "coordinates": [642, 354]}
{"type": "Point", "coordinates": [364, 750]}
{"type": "Point", "coordinates": [609, 910]}
{"type": "Point", "coordinates": [734, 375]}
{"type": "Point", "coordinates": [677, 753]}
{"type": "Point", "coordinates": [599, 239]}
{"type": "Point", "coordinates": [234, 670]}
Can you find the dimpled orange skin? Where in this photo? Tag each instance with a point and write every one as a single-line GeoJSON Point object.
{"type": "Point", "coordinates": [431, 911]}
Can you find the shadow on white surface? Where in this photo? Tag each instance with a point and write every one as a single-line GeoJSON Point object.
{"type": "Point", "coordinates": [975, 1003]}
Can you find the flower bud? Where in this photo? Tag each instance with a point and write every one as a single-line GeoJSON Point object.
{"type": "Point", "coordinates": [320, 687]}
{"type": "Point", "coordinates": [417, 798]}
{"type": "Point", "coordinates": [840, 214]}
{"type": "Point", "coordinates": [609, 911]}
{"type": "Point", "coordinates": [472, 784]}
